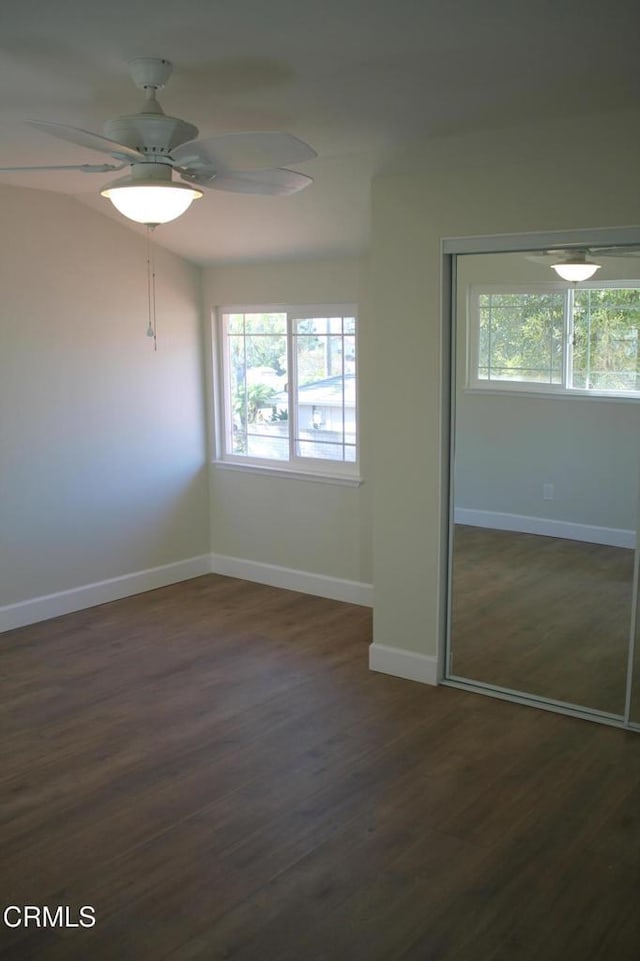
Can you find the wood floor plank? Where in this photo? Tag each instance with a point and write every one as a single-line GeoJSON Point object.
{"type": "Point", "coordinates": [213, 767]}
{"type": "Point", "coordinates": [542, 615]}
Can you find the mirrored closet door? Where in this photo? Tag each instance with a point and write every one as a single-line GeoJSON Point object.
{"type": "Point", "coordinates": [634, 656]}
{"type": "Point", "coordinates": [545, 479]}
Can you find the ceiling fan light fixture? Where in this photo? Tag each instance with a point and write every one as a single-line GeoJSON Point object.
{"type": "Point", "coordinates": [153, 144]}
{"type": "Point", "coordinates": [150, 196]}
{"type": "Point", "coordinates": [576, 269]}
{"type": "Point", "coordinates": [152, 203]}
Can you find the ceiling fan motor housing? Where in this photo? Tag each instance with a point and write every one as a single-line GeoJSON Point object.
{"type": "Point", "coordinates": [150, 133]}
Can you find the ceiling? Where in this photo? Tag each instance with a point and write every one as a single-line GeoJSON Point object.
{"type": "Point", "coordinates": [354, 78]}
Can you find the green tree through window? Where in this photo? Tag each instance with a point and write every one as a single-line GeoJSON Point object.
{"type": "Point", "coordinates": [584, 339]}
{"type": "Point", "coordinates": [605, 342]}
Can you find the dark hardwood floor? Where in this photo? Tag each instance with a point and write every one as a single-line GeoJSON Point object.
{"type": "Point", "coordinates": [542, 615]}
{"type": "Point", "coordinates": [213, 769]}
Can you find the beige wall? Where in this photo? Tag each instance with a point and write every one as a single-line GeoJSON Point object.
{"type": "Point", "coordinates": [102, 441]}
{"type": "Point", "coordinates": [319, 528]}
{"type": "Point", "coordinates": [578, 174]}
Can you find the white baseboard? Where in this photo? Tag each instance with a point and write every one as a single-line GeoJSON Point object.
{"type": "Point", "coordinates": [89, 595]}
{"type": "Point", "coordinates": [353, 592]}
{"type": "Point", "coordinates": [612, 536]}
{"type": "Point", "coordinates": [403, 663]}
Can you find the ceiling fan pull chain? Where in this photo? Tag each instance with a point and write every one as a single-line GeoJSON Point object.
{"type": "Point", "coordinates": [152, 330]}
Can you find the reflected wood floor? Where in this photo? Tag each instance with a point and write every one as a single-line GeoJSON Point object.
{"type": "Point", "coordinates": [213, 768]}
{"type": "Point", "coordinates": [542, 615]}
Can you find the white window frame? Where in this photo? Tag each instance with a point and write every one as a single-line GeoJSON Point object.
{"type": "Point", "coordinates": [565, 388]}
{"type": "Point", "coordinates": [306, 468]}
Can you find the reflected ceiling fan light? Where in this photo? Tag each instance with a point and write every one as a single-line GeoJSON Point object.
{"type": "Point", "coordinates": [149, 196]}
{"type": "Point", "coordinates": [575, 269]}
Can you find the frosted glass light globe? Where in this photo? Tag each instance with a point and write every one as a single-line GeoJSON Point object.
{"type": "Point", "coordinates": [575, 269]}
{"type": "Point", "coordinates": [149, 196]}
{"type": "Point", "coordinates": [152, 203]}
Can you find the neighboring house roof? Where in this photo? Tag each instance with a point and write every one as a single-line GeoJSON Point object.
{"type": "Point", "coordinates": [323, 393]}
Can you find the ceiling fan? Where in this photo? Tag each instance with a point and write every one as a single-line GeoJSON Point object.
{"type": "Point", "coordinates": [575, 264]}
{"type": "Point", "coordinates": [155, 146]}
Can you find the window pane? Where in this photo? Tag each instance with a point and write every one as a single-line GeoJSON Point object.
{"type": "Point", "coordinates": [318, 449]}
{"type": "Point", "coordinates": [267, 357]}
{"type": "Point", "coordinates": [266, 323]}
{"type": "Point", "coordinates": [521, 337]}
{"type": "Point", "coordinates": [318, 325]}
{"type": "Point", "coordinates": [236, 396]}
{"type": "Point", "coordinates": [350, 357]}
{"type": "Point", "coordinates": [310, 325]}
{"type": "Point", "coordinates": [325, 393]}
{"type": "Point", "coordinates": [606, 352]}
{"type": "Point", "coordinates": [235, 323]}
{"type": "Point", "coordinates": [272, 446]}
{"type": "Point", "coordinates": [311, 358]}
{"type": "Point", "coordinates": [257, 405]}
{"type": "Point", "coordinates": [529, 374]}
{"type": "Point", "coordinates": [484, 338]}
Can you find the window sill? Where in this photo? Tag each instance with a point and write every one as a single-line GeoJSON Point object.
{"type": "Point", "coordinates": [344, 480]}
{"type": "Point", "coordinates": [553, 394]}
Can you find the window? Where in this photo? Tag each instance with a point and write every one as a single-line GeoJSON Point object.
{"type": "Point", "coordinates": [556, 339]}
{"type": "Point", "coordinates": [288, 388]}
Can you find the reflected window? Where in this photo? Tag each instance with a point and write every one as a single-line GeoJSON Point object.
{"type": "Point", "coordinates": [551, 339]}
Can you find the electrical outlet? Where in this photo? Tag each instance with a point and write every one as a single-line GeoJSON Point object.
{"type": "Point", "coordinates": [547, 492]}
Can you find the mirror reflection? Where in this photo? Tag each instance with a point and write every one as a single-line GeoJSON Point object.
{"type": "Point", "coordinates": [634, 687]}
{"type": "Point", "coordinates": [545, 474]}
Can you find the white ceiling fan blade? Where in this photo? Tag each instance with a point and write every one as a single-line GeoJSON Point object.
{"type": "Point", "coordinates": [261, 150]}
{"type": "Point", "coordinates": [84, 138]}
{"type": "Point", "coordinates": [631, 251]}
{"type": "Point", "coordinates": [85, 168]}
{"type": "Point", "coordinates": [547, 257]}
{"type": "Point", "coordinates": [268, 183]}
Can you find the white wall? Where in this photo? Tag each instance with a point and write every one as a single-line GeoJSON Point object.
{"type": "Point", "coordinates": [580, 173]}
{"type": "Point", "coordinates": [301, 525]}
{"type": "Point", "coordinates": [102, 441]}
{"type": "Point", "coordinates": [508, 445]}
